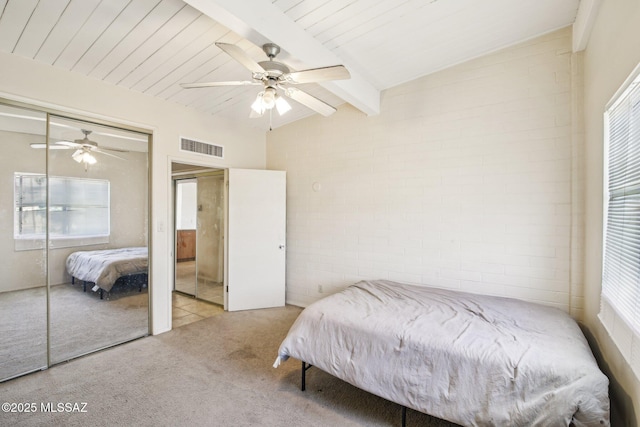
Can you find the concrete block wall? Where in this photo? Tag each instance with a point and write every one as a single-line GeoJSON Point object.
{"type": "Point", "coordinates": [464, 181]}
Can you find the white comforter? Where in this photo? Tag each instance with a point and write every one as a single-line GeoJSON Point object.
{"type": "Point", "coordinates": [105, 267]}
{"type": "Point", "coordinates": [470, 359]}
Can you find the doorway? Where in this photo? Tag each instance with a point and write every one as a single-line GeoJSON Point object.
{"type": "Point", "coordinates": [243, 254]}
{"type": "Point", "coordinates": [199, 232]}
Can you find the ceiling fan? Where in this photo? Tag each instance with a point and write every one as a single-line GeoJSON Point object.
{"type": "Point", "coordinates": [84, 149]}
{"type": "Point", "coordinates": [274, 75]}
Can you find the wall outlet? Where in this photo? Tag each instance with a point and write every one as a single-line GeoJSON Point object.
{"type": "Point", "coordinates": [320, 289]}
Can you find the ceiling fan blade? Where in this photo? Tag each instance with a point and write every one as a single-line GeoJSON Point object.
{"type": "Point", "coordinates": [54, 146]}
{"type": "Point", "coordinates": [310, 101]}
{"type": "Point", "coordinates": [314, 75]}
{"type": "Point", "coordinates": [239, 55]}
{"type": "Point", "coordinates": [68, 144]}
{"type": "Point", "coordinates": [117, 150]}
{"type": "Point", "coordinates": [51, 147]}
{"type": "Point", "coordinates": [214, 84]}
{"type": "Point", "coordinates": [98, 150]}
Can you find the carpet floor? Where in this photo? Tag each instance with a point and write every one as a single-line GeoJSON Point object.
{"type": "Point", "coordinates": [215, 372]}
{"type": "Point", "coordinates": [80, 323]}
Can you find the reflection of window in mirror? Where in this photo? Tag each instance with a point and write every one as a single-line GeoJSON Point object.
{"type": "Point", "coordinates": [79, 210]}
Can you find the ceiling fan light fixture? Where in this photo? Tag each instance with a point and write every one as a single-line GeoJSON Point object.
{"type": "Point", "coordinates": [269, 98]}
{"type": "Point", "coordinates": [258, 105]}
{"type": "Point", "coordinates": [89, 159]}
{"type": "Point", "coordinates": [77, 156]}
{"type": "Point", "coordinates": [83, 156]}
{"type": "Point", "coordinates": [282, 105]}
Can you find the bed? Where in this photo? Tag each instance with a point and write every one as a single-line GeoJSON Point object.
{"type": "Point", "coordinates": [470, 359]}
{"type": "Point", "coordinates": [104, 267]}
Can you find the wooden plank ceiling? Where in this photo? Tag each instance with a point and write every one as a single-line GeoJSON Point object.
{"type": "Point", "coordinates": [152, 46]}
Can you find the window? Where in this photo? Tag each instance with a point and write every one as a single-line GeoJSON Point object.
{"type": "Point", "coordinates": [78, 209]}
{"type": "Point", "coordinates": [620, 308]}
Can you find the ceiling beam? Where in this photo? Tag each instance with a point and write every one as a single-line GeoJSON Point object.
{"type": "Point", "coordinates": [582, 26]}
{"type": "Point", "coordinates": [260, 21]}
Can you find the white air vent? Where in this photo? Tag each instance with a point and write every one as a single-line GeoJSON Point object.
{"type": "Point", "coordinates": [200, 147]}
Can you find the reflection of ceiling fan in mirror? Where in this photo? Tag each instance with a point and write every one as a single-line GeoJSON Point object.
{"type": "Point", "coordinates": [84, 149]}
{"type": "Point", "coordinates": [274, 75]}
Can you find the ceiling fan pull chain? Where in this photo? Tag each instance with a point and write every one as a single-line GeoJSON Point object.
{"type": "Point", "coordinates": [270, 116]}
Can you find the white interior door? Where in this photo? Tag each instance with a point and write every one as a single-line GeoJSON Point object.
{"type": "Point", "coordinates": [255, 253]}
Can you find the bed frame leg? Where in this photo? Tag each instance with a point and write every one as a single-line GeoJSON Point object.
{"type": "Point", "coordinates": [303, 387]}
{"type": "Point", "coordinates": [73, 280]}
{"type": "Point", "coordinates": [305, 366]}
{"type": "Point", "coordinates": [84, 286]}
{"type": "Point", "coordinates": [101, 293]}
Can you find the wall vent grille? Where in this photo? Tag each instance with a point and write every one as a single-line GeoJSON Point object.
{"type": "Point", "coordinates": [200, 147]}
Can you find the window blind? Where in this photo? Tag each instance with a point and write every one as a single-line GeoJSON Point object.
{"type": "Point", "coordinates": [621, 264]}
{"type": "Point", "coordinates": [77, 207]}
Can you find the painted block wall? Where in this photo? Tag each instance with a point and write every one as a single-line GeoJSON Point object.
{"type": "Point", "coordinates": [463, 181]}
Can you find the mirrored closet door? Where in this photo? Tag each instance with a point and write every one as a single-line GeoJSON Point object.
{"type": "Point", "coordinates": [23, 254]}
{"type": "Point", "coordinates": [186, 220]}
{"type": "Point", "coordinates": [200, 236]}
{"type": "Point", "coordinates": [209, 239]}
{"type": "Point", "coordinates": [74, 220]}
{"type": "Point", "coordinates": [98, 230]}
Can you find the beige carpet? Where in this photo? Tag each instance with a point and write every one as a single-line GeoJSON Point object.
{"type": "Point", "coordinates": [80, 323]}
{"type": "Point", "coordinates": [215, 372]}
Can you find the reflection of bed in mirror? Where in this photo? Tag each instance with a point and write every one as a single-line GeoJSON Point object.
{"type": "Point", "coordinates": [103, 268]}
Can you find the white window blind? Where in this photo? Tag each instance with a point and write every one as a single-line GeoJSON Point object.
{"type": "Point", "coordinates": [78, 208]}
{"type": "Point", "coordinates": [620, 310]}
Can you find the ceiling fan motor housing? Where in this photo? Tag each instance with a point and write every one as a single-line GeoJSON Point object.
{"type": "Point", "coordinates": [86, 142]}
{"type": "Point", "coordinates": [274, 68]}
{"type": "Point", "coordinates": [271, 49]}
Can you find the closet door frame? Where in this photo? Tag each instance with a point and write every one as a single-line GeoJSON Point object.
{"type": "Point", "coordinates": [50, 111]}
